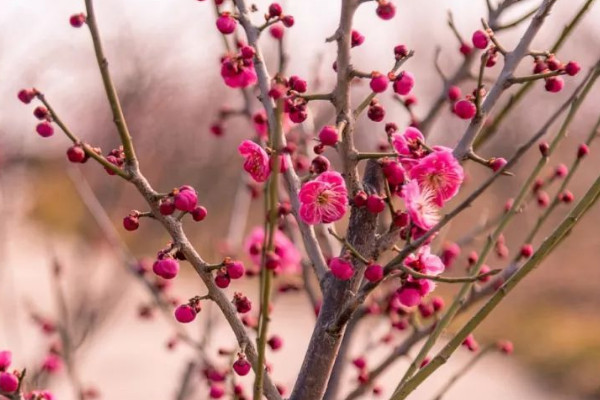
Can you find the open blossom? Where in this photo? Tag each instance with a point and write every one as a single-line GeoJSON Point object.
{"type": "Point", "coordinates": [257, 161]}
{"type": "Point", "coordinates": [425, 262]}
{"type": "Point", "coordinates": [440, 172]}
{"type": "Point", "coordinates": [324, 199]}
{"type": "Point", "coordinates": [413, 290]}
{"type": "Point", "coordinates": [420, 206]}
{"type": "Point", "coordinates": [238, 73]}
{"type": "Point", "coordinates": [408, 141]}
{"type": "Point", "coordinates": [289, 256]}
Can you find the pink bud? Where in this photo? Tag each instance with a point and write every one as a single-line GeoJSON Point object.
{"type": "Point", "coordinates": [77, 20]}
{"type": "Point", "coordinates": [276, 31]}
{"type": "Point", "coordinates": [235, 269]}
{"type": "Point", "coordinates": [375, 204]}
{"type": "Point", "coordinates": [5, 359]}
{"type": "Point", "coordinates": [356, 39]}
{"type": "Point", "coordinates": [561, 171]}
{"type": "Point", "coordinates": [385, 10]}
{"type": "Point", "coordinates": [26, 95]}
{"type": "Point", "coordinates": [241, 366]}
{"type": "Point", "coordinates": [341, 268]}
{"type": "Point", "coordinates": [374, 273]}
{"type": "Point", "coordinates": [9, 383]}
{"type": "Point", "coordinates": [437, 303]}
{"type": "Point", "coordinates": [465, 109]}
{"type": "Point", "coordinates": [328, 135]}
{"type": "Point", "coordinates": [166, 268]}
{"type": "Point", "coordinates": [498, 163]}
{"type": "Point", "coordinates": [543, 199]}
{"type": "Point", "coordinates": [572, 68]}
{"type": "Point", "coordinates": [131, 222]}
{"type": "Point", "coordinates": [185, 313]}
{"type": "Point", "coordinates": [566, 197]}
{"type": "Point", "coordinates": [222, 280]}
{"type": "Point", "coordinates": [480, 39]}
{"type": "Point", "coordinates": [76, 154]}
{"type": "Point", "coordinates": [199, 213]}
{"type": "Point", "coordinates": [394, 172]}
{"type": "Point", "coordinates": [554, 84]}
{"type": "Point", "coordinates": [379, 82]}
{"type": "Point", "coordinates": [454, 93]}
{"type": "Point", "coordinates": [360, 199]}
{"type": "Point", "coordinates": [400, 51]}
{"type": "Point", "coordinates": [216, 391]}
{"type": "Point", "coordinates": [226, 23]}
{"type": "Point", "coordinates": [45, 129]}
{"type": "Point", "coordinates": [288, 21]}
{"type": "Point", "coordinates": [275, 10]}
{"type": "Point", "coordinates": [526, 250]}
{"type": "Point", "coordinates": [544, 148]}
{"type": "Point", "coordinates": [359, 362]}
{"type": "Point", "coordinates": [583, 150]}
{"type": "Point", "coordinates": [404, 83]}
{"type": "Point", "coordinates": [376, 112]}
{"type": "Point", "coordinates": [167, 206]}
{"type": "Point", "coordinates": [465, 49]}
{"type": "Point", "coordinates": [241, 303]}
{"type": "Point", "coordinates": [275, 342]}
{"type": "Point", "coordinates": [40, 112]}
{"type": "Point", "coordinates": [186, 199]}
{"type": "Point", "coordinates": [506, 347]}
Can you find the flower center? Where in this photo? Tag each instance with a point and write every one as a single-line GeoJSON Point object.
{"type": "Point", "coordinates": [323, 197]}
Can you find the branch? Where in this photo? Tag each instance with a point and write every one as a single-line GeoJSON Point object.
{"type": "Point", "coordinates": [516, 98]}
{"type": "Point", "coordinates": [512, 60]}
{"type": "Point", "coordinates": [559, 234]}
{"type": "Point", "coordinates": [111, 92]}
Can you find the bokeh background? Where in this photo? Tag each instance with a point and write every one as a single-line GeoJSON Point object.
{"type": "Point", "coordinates": [164, 58]}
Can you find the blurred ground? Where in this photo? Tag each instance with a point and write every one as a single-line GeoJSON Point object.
{"type": "Point", "coordinates": [165, 65]}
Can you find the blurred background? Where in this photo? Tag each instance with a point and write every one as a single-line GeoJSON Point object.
{"type": "Point", "coordinates": [164, 57]}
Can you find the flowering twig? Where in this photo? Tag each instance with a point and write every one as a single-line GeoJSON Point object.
{"type": "Point", "coordinates": [353, 304]}
{"type": "Point", "coordinates": [559, 234]}
{"type": "Point", "coordinates": [512, 59]}
{"type": "Point", "coordinates": [516, 97]}
{"type": "Point", "coordinates": [459, 298]}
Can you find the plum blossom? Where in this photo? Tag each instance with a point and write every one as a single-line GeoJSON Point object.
{"type": "Point", "coordinates": [439, 172]}
{"type": "Point", "coordinates": [256, 160]}
{"type": "Point", "coordinates": [407, 142]}
{"type": "Point", "coordinates": [413, 290]}
{"type": "Point", "coordinates": [324, 199]}
{"type": "Point", "coordinates": [238, 72]}
{"type": "Point", "coordinates": [425, 262]}
{"type": "Point", "coordinates": [420, 206]}
{"type": "Point", "coordinates": [289, 256]}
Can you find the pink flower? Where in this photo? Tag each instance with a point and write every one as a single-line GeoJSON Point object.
{"type": "Point", "coordinates": [407, 142]}
{"type": "Point", "coordinates": [324, 199]}
{"type": "Point", "coordinates": [425, 262]}
{"type": "Point", "coordinates": [238, 73]}
{"type": "Point", "coordinates": [439, 172]}
{"type": "Point", "coordinates": [413, 290]}
{"type": "Point", "coordinates": [419, 205]}
{"type": "Point", "coordinates": [257, 160]}
{"type": "Point", "coordinates": [289, 256]}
